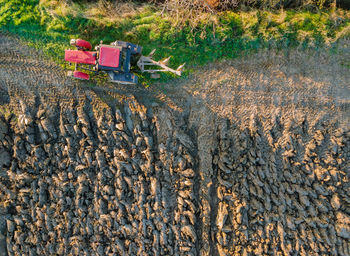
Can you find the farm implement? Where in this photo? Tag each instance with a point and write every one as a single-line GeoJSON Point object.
{"type": "Point", "coordinates": [116, 59]}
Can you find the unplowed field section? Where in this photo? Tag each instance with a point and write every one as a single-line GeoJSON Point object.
{"type": "Point", "coordinates": [24, 70]}
{"type": "Point", "coordinates": [313, 83]}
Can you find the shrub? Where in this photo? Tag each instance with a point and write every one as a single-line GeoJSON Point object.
{"type": "Point", "coordinates": [18, 11]}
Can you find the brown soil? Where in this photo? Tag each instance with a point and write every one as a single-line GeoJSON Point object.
{"type": "Point", "coordinates": [249, 156]}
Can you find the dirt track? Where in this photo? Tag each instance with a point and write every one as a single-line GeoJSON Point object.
{"type": "Point", "coordinates": [245, 157]}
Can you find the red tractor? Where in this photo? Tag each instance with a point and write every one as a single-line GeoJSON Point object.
{"type": "Point", "coordinates": [116, 60]}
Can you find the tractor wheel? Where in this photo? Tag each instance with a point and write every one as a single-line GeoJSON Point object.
{"type": "Point", "coordinates": [80, 75]}
{"type": "Point", "coordinates": [83, 44]}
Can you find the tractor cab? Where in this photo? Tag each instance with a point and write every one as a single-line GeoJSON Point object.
{"type": "Point", "coordinates": [109, 57]}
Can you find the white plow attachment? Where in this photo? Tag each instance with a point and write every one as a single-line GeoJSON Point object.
{"type": "Point", "coordinates": [145, 61]}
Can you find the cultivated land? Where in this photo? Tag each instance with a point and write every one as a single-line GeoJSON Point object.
{"type": "Point", "coordinates": [247, 156]}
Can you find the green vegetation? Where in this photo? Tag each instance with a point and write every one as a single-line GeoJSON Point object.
{"type": "Point", "coordinates": [6, 112]}
{"type": "Point", "coordinates": [49, 25]}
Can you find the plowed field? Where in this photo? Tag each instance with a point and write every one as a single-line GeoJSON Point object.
{"type": "Point", "coordinates": [244, 157]}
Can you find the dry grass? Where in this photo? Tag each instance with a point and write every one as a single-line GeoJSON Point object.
{"type": "Point", "coordinates": [212, 5]}
{"type": "Point", "coordinates": [115, 10]}
{"type": "Point", "coordinates": [62, 8]}
{"type": "Point", "coordinates": [101, 10]}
